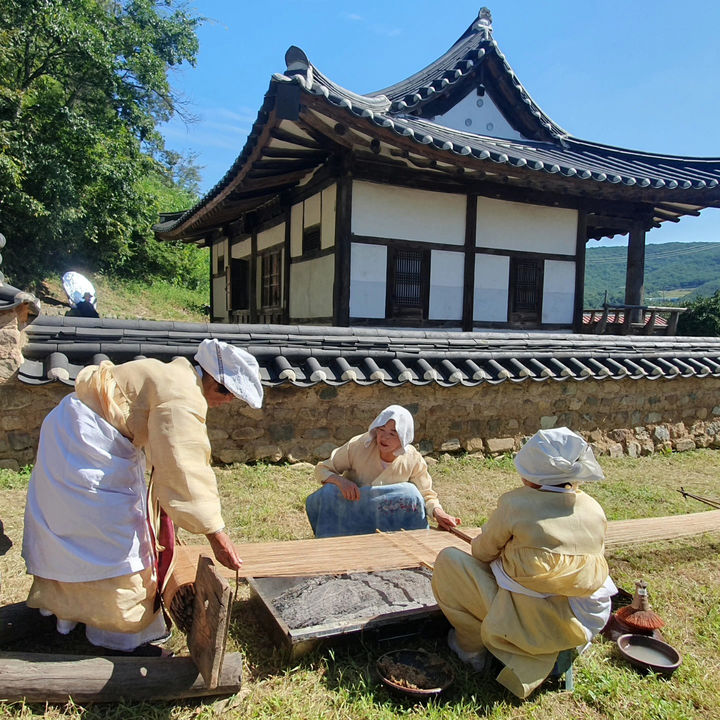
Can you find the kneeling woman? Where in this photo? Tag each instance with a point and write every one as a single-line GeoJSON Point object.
{"type": "Point", "coordinates": [376, 481]}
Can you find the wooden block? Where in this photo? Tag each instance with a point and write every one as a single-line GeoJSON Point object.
{"type": "Point", "coordinates": [49, 677]}
{"type": "Point", "coordinates": [211, 621]}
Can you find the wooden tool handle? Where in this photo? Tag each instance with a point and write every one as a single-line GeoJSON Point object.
{"type": "Point", "coordinates": [462, 535]}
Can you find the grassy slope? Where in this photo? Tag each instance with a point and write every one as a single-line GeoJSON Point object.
{"type": "Point", "coordinates": [266, 502]}
{"type": "Point", "coordinates": [131, 299]}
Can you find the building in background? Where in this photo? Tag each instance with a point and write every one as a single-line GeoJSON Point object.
{"type": "Point", "coordinates": [446, 200]}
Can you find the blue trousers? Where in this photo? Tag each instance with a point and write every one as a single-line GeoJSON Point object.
{"type": "Point", "coordinates": [386, 507]}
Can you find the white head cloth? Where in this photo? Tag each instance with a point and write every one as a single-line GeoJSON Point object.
{"type": "Point", "coordinates": [404, 425]}
{"type": "Point", "coordinates": [556, 457]}
{"type": "Point", "coordinates": [232, 367]}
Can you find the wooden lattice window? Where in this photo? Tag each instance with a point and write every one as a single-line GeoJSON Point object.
{"type": "Point", "coordinates": [408, 283]}
{"type": "Point", "coordinates": [271, 278]}
{"type": "Point", "coordinates": [526, 283]}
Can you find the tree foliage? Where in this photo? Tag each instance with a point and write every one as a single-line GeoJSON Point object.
{"type": "Point", "coordinates": [669, 268]}
{"type": "Point", "coordinates": [702, 317]}
{"type": "Point", "coordinates": [83, 169]}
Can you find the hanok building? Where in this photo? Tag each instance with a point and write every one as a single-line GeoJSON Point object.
{"type": "Point", "coordinates": [448, 199]}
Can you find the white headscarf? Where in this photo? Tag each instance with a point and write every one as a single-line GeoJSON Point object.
{"type": "Point", "coordinates": [404, 425]}
{"type": "Point", "coordinates": [232, 367]}
{"type": "Point", "coordinates": [556, 457]}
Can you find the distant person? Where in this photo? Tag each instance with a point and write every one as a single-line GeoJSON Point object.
{"type": "Point", "coordinates": [85, 307]}
{"type": "Point", "coordinates": [376, 481]}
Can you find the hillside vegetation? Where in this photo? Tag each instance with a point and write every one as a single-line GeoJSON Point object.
{"type": "Point", "coordinates": [130, 299]}
{"type": "Point", "coordinates": [675, 273]}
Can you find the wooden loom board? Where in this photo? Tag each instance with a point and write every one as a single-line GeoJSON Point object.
{"type": "Point", "coordinates": [395, 551]}
{"type": "Point", "coordinates": [211, 620]}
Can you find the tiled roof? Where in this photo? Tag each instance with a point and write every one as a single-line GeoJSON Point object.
{"type": "Point", "coordinates": [398, 121]}
{"type": "Point", "coordinates": [59, 347]}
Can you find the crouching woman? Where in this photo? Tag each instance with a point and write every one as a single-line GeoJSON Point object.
{"type": "Point", "coordinates": [537, 582]}
{"type": "Point", "coordinates": [376, 481]}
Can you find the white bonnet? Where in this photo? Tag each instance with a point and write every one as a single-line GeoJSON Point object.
{"type": "Point", "coordinates": [404, 424]}
{"type": "Point", "coordinates": [557, 456]}
{"type": "Point", "coordinates": [232, 367]}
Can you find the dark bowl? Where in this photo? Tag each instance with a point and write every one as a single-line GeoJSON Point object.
{"type": "Point", "coordinates": [649, 653]}
{"type": "Point", "coordinates": [417, 673]}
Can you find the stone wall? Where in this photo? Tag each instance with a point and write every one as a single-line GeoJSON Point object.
{"type": "Point", "coordinates": [633, 417]}
{"type": "Point", "coordinates": [10, 343]}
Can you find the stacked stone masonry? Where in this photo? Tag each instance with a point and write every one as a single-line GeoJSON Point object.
{"type": "Point", "coordinates": [625, 417]}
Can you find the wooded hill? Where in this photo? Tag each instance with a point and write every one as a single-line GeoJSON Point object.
{"type": "Point", "coordinates": [674, 273]}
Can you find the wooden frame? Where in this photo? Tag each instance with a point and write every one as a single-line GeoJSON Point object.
{"type": "Point", "coordinates": [525, 295]}
{"type": "Point", "coordinates": [398, 304]}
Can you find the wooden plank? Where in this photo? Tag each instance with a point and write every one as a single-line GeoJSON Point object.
{"type": "Point", "coordinates": [368, 553]}
{"type": "Point", "coordinates": [211, 621]}
{"type": "Point", "coordinates": [47, 677]}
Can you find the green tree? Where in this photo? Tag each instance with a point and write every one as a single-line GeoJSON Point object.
{"type": "Point", "coordinates": [702, 317]}
{"type": "Point", "coordinates": [83, 85]}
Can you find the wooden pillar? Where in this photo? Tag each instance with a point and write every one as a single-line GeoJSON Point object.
{"type": "Point", "coordinates": [635, 274]}
{"type": "Point", "coordinates": [469, 275]}
{"type": "Point", "coordinates": [286, 267]}
{"type": "Point", "coordinates": [580, 245]}
{"type": "Point", "coordinates": [343, 217]}
{"type": "Point", "coordinates": [253, 277]}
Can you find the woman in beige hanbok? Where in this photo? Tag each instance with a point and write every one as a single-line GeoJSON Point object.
{"type": "Point", "coordinates": [91, 523]}
{"type": "Point", "coordinates": [536, 582]}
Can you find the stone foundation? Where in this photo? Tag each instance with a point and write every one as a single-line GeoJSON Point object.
{"type": "Point", "coordinates": [619, 417]}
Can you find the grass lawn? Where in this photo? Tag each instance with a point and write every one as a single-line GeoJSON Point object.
{"type": "Point", "coordinates": [265, 502]}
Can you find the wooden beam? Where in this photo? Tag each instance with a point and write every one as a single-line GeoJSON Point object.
{"type": "Point", "coordinates": [288, 165]}
{"type": "Point", "coordinates": [288, 137]}
{"type": "Point", "coordinates": [580, 243]}
{"type": "Point", "coordinates": [280, 152]}
{"type": "Point", "coordinates": [343, 221]}
{"type": "Point", "coordinates": [49, 677]}
{"type": "Point", "coordinates": [635, 273]}
{"type": "Point", "coordinates": [286, 263]}
{"type": "Point", "coordinates": [469, 264]}
{"type": "Point", "coordinates": [322, 132]}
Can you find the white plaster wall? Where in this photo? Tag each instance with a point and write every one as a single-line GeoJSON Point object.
{"type": "Point", "coordinates": [220, 249]}
{"type": "Point", "coordinates": [219, 296]}
{"type": "Point", "coordinates": [518, 226]}
{"type": "Point", "coordinates": [273, 236]}
{"type": "Point", "coordinates": [368, 279]}
{"type": "Point", "coordinates": [312, 211]}
{"type": "Point", "coordinates": [296, 230]}
{"type": "Point", "coordinates": [389, 211]}
{"type": "Point", "coordinates": [327, 223]}
{"type": "Point", "coordinates": [241, 248]}
{"type": "Point", "coordinates": [478, 115]}
{"type": "Point", "coordinates": [446, 285]}
{"type": "Point", "coordinates": [492, 278]}
{"type": "Point", "coordinates": [558, 292]}
{"type": "Point", "coordinates": [311, 288]}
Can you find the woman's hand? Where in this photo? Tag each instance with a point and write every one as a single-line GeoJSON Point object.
{"type": "Point", "coordinates": [348, 488]}
{"type": "Point", "coordinates": [224, 550]}
{"type": "Point", "coordinates": [444, 520]}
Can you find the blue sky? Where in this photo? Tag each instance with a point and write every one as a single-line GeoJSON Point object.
{"type": "Point", "coordinates": [641, 74]}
